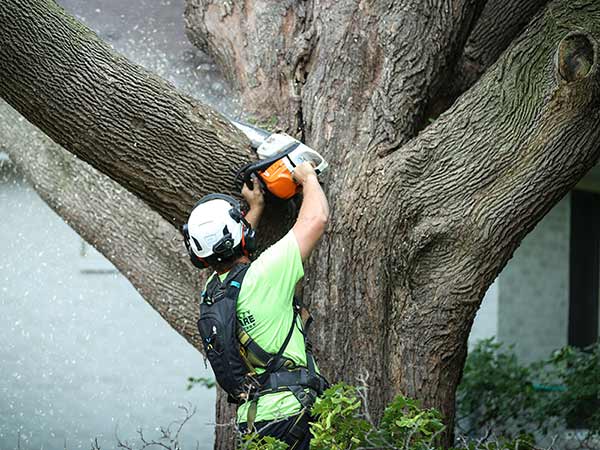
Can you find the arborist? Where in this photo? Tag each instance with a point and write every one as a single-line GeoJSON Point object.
{"type": "Point", "coordinates": [253, 329]}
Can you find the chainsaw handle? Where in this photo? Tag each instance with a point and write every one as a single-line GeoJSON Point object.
{"type": "Point", "coordinates": [246, 172]}
{"type": "Point", "coordinates": [248, 180]}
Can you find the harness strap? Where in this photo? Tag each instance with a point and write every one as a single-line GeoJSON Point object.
{"type": "Point", "coordinates": [251, 416]}
{"type": "Point", "coordinates": [273, 363]}
{"type": "Point", "coordinates": [255, 350]}
{"type": "Point", "coordinates": [301, 376]}
{"type": "Point", "coordinates": [306, 397]}
{"type": "Point", "coordinates": [277, 361]}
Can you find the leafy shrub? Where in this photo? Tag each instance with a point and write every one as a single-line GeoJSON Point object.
{"type": "Point", "coordinates": [500, 394]}
{"type": "Point", "coordinates": [496, 391]}
{"type": "Point", "coordinates": [256, 442]}
{"type": "Point", "coordinates": [342, 422]}
{"type": "Point", "coordinates": [339, 424]}
{"type": "Point", "coordinates": [579, 372]}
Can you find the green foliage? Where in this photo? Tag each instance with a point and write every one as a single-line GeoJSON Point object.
{"type": "Point", "coordinates": [338, 423]}
{"type": "Point", "coordinates": [500, 394]}
{"type": "Point", "coordinates": [497, 393]}
{"type": "Point", "coordinates": [495, 389]}
{"type": "Point", "coordinates": [405, 422]}
{"type": "Point", "coordinates": [253, 441]}
{"type": "Point", "coordinates": [342, 422]}
{"type": "Point", "coordinates": [579, 372]}
{"type": "Point", "coordinates": [208, 383]}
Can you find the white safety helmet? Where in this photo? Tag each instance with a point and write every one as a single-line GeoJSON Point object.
{"type": "Point", "coordinates": [215, 227]}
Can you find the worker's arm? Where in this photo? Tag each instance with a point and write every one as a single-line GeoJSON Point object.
{"type": "Point", "coordinates": [256, 201]}
{"type": "Point", "coordinates": [314, 212]}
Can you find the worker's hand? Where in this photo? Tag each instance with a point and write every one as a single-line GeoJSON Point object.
{"type": "Point", "coordinates": [303, 172]}
{"type": "Point", "coordinates": [254, 196]}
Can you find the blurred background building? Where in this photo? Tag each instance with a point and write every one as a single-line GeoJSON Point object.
{"type": "Point", "coordinates": [548, 295]}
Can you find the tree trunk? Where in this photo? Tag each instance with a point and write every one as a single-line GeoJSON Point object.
{"type": "Point", "coordinates": [406, 259]}
{"type": "Point", "coordinates": [421, 224]}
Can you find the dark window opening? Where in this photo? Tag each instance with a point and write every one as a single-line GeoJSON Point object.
{"type": "Point", "coordinates": [584, 289]}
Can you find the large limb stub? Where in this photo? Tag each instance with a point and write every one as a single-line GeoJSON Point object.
{"type": "Point", "coordinates": [577, 58]}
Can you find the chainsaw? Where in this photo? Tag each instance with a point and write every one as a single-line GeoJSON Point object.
{"type": "Point", "coordinates": [278, 155]}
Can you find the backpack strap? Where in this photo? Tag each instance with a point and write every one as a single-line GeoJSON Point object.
{"type": "Point", "coordinates": [227, 287]}
{"type": "Point", "coordinates": [304, 382]}
{"type": "Point", "coordinates": [274, 363]}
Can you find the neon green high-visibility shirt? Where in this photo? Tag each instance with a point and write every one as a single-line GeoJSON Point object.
{"type": "Point", "coordinates": [265, 308]}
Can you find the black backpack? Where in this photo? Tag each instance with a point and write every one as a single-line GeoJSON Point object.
{"type": "Point", "coordinates": [234, 356]}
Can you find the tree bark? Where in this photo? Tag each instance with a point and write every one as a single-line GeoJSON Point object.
{"type": "Point", "coordinates": [420, 225]}
{"type": "Point", "coordinates": [161, 145]}
{"type": "Point", "coordinates": [499, 24]}
{"type": "Point", "coordinates": [406, 259]}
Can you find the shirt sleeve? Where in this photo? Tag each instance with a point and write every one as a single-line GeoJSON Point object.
{"type": "Point", "coordinates": [280, 266]}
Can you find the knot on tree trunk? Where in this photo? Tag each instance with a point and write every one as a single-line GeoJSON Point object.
{"type": "Point", "coordinates": [576, 56]}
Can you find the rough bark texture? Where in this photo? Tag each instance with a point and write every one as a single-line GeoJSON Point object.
{"type": "Point", "coordinates": [316, 56]}
{"type": "Point", "coordinates": [137, 240]}
{"type": "Point", "coordinates": [163, 146]}
{"type": "Point", "coordinates": [416, 237]}
{"type": "Point", "coordinates": [500, 22]}
{"type": "Point", "coordinates": [420, 227]}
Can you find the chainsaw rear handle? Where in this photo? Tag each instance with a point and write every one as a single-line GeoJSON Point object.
{"type": "Point", "coordinates": [246, 172]}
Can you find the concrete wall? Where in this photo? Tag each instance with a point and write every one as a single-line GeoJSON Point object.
{"type": "Point", "coordinates": [486, 321]}
{"type": "Point", "coordinates": [528, 305]}
{"type": "Point", "coordinates": [533, 289]}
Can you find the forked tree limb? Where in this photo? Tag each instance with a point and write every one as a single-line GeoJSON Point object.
{"type": "Point", "coordinates": [305, 63]}
{"type": "Point", "coordinates": [475, 182]}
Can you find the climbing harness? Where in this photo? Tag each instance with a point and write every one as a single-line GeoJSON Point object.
{"type": "Point", "coordinates": [234, 356]}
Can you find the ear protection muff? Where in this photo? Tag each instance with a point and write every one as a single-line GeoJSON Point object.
{"type": "Point", "coordinates": [224, 247]}
{"type": "Point", "coordinates": [196, 260]}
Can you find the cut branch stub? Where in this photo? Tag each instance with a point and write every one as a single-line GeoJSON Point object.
{"type": "Point", "coordinates": [576, 56]}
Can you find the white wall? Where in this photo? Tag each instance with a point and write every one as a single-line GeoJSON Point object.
{"type": "Point", "coordinates": [486, 321]}
{"type": "Point", "coordinates": [533, 294]}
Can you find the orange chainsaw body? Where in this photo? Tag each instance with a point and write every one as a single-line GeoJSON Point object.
{"type": "Point", "coordinates": [278, 179]}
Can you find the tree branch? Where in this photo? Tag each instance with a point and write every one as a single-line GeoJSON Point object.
{"type": "Point", "coordinates": [475, 182]}
{"type": "Point", "coordinates": [500, 22]}
{"type": "Point", "coordinates": [260, 46]}
{"type": "Point", "coordinates": [118, 117]}
{"type": "Point", "coordinates": [141, 244]}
